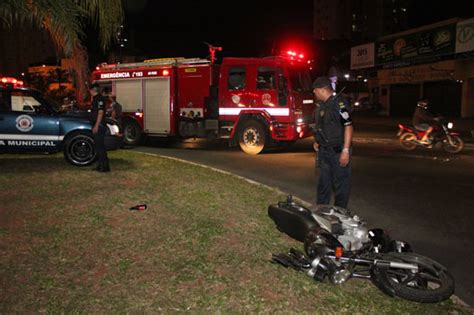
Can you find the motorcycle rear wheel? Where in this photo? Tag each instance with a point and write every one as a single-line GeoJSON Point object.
{"type": "Point", "coordinates": [458, 145]}
{"type": "Point", "coordinates": [408, 141]}
{"type": "Point", "coordinates": [430, 284]}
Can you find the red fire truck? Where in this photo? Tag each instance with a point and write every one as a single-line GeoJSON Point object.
{"type": "Point", "coordinates": [253, 102]}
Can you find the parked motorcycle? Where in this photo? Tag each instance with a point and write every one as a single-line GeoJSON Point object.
{"type": "Point", "coordinates": [338, 246]}
{"type": "Point", "coordinates": [450, 140]}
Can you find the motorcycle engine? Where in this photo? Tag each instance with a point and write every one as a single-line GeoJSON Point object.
{"type": "Point", "coordinates": [349, 229]}
{"type": "Point", "coordinates": [355, 234]}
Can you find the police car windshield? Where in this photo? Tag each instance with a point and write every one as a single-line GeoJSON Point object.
{"type": "Point", "coordinates": [300, 80]}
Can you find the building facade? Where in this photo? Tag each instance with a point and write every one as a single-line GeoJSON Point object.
{"type": "Point", "coordinates": [358, 20]}
{"type": "Point", "coordinates": [434, 61]}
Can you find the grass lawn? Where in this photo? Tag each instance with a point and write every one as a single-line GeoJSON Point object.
{"type": "Point", "coordinates": [69, 244]}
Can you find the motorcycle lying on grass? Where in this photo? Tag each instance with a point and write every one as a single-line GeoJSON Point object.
{"type": "Point", "coordinates": [338, 246]}
{"type": "Point", "coordinates": [450, 140]}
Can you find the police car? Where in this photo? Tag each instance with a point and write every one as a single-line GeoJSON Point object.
{"type": "Point", "coordinates": [30, 123]}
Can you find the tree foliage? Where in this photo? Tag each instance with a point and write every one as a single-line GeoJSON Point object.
{"type": "Point", "coordinates": [65, 21]}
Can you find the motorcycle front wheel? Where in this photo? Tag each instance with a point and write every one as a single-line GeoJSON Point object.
{"type": "Point", "coordinates": [430, 284]}
{"type": "Point", "coordinates": [408, 141]}
{"type": "Point", "coordinates": [456, 148]}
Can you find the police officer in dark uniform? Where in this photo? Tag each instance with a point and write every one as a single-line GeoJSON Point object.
{"type": "Point", "coordinates": [99, 127]}
{"type": "Point", "coordinates": [333, 134]}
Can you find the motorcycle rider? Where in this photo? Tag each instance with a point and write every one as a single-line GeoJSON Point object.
{"type": "Point", "coordinates": [424, 120]}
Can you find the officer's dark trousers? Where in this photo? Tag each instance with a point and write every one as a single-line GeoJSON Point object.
{"type": "Point", "coordinates": [99, 140]}
{"type": "Point", "coordinates": [332, 177]}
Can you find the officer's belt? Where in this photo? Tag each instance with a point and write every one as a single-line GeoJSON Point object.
{"type": "Point", "coordinates": [336, 148]}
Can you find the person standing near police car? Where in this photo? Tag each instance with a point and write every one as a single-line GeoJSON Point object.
{"type": "Point", "coordinates": [333, 135]}
{"type": "Point", "coordinates": [99, 127]}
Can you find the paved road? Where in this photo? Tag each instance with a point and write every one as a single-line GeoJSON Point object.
{"type": "Point", "coordinates": [424, 197]}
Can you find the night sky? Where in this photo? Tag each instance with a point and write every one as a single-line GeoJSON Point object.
{"type": "Point", "coordinates": [158, 29]}
{"type": "Point", "coordinates": [250, 28]}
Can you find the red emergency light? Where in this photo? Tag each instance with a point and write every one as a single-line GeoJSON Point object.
{"type": "Point", "coordinates": [11, 81]}
{"type": "Point", "coordinates": [293, 55]}
{"type": "Point", "coordinates": [165, 73]}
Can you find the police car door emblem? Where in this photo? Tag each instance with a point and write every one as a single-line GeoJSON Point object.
{"type": "Point", "coordinates": [24, 123]}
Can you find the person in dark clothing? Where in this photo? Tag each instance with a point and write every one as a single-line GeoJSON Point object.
{"type": "Point", "coordinates": [333, 134]}
{"type": "Point", "coordinates": [423, 120]}
{"type": "Point", "coordinates": [99, 128]}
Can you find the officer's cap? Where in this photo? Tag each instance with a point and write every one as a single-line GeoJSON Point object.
{"type": "Point", "coordinates": [321, 82]}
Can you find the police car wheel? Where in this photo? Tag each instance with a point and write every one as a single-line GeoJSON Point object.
{"type": "Point", "coordinates": [79, 149]}
{"type": "Point", "coordinates": [132, 133]}
{"type": "Point", "coordinates": [252, 137]}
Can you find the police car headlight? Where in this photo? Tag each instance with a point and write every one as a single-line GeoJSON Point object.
{"type": "Point", "coordinates": [114, 129]}
{"type": "Point", "coordinates": [450, 125]}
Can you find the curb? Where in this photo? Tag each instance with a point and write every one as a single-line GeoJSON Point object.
{"type": "Point", "coordinates": [374, 140]}
{"type": "Point", "coordinates": [250, 181]}
{"type": "Point", "coordinates": [454, 298]}
{"type": "Point", "coordinates": [391, 141]}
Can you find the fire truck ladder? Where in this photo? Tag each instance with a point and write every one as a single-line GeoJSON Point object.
{"type": "Point", "coordinates": [157, 62]}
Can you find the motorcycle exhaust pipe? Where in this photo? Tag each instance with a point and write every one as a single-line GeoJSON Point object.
{"type": "Point", "coordinates": [397, 265]}
{"type": "Point", "coordinates": [382, 263]}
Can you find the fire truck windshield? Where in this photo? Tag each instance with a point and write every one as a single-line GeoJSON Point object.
{"type": "Point", "coordinates": [300, 80]}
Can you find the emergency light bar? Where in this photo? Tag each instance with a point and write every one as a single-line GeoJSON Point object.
{"type": "Point", "coordinates": [11, 81]}
{"type": "Point", "coordinates": [294, 56]}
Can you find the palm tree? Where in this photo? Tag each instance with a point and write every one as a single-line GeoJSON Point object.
{"type": "Point", "coordinates": [65, 21]}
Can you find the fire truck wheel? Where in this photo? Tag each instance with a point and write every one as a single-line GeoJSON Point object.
{"type": "Point", "coordinates": [252, 137]}
{"type": "Point", "coordinates": [132, 133]}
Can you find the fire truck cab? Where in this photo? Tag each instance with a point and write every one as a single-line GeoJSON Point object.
{"type": "Point", "coordinates": [253, 102]}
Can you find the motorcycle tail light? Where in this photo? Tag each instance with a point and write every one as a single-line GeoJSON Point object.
{"type": "Point", "coordinates": [450, 125]}
{"type": "Point", "coordinates": [338, 252]}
